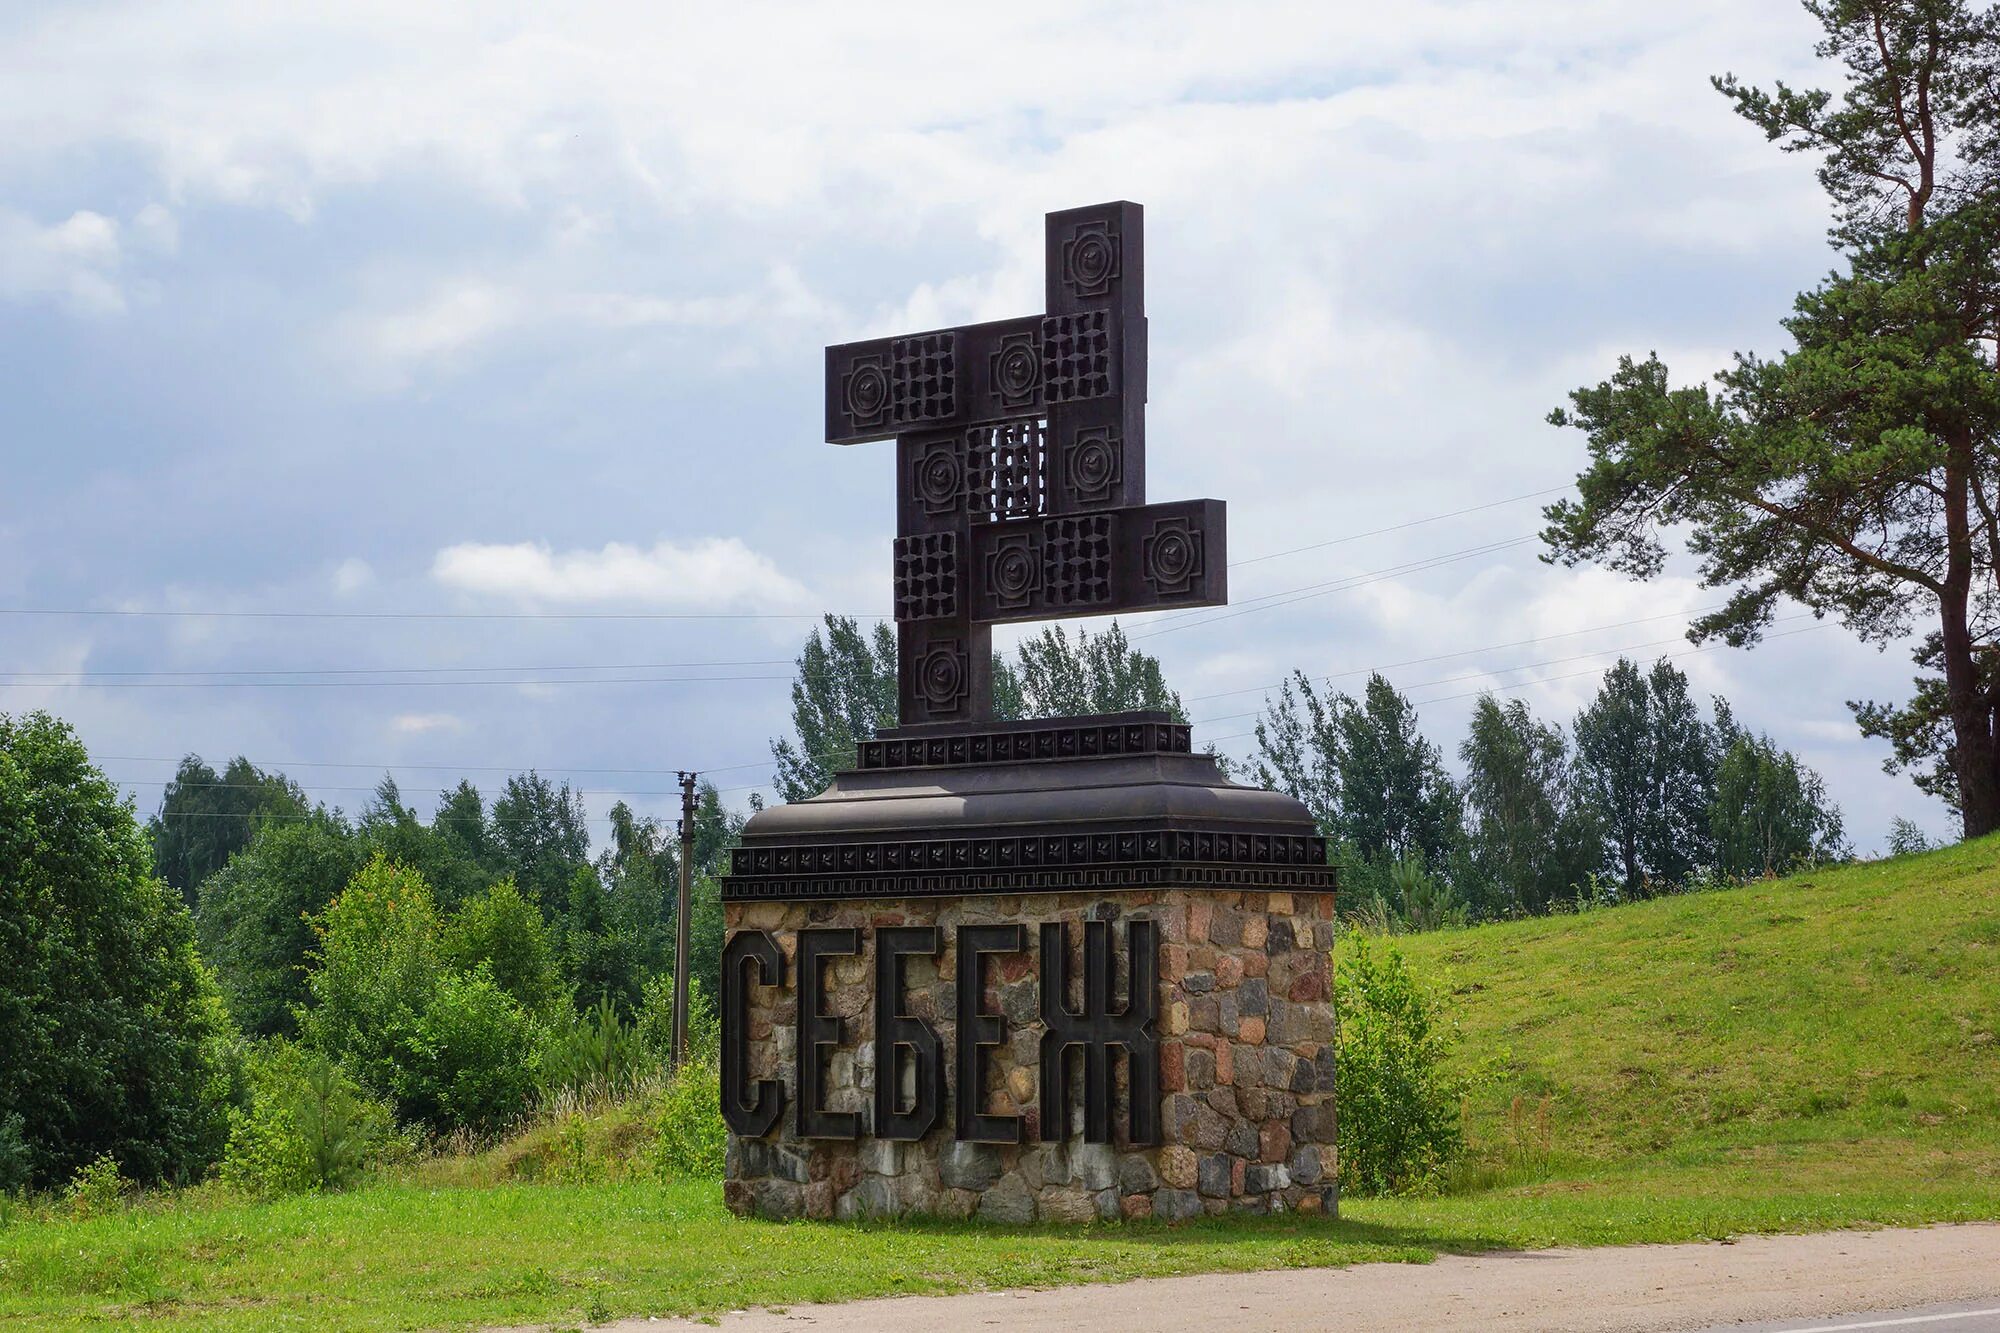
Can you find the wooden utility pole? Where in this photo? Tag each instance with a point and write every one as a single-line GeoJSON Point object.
{"type": "Point", "coordinates": [681, 921]}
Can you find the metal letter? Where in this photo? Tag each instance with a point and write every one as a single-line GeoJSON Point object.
{"type": "Point", "coordinates": [1097, 1029]}
{"type": "Point", "coordinates": [979, 1030]}
{"type": "Point", "coordinates": [818, 1031]}
{"type": "Point", "coordinates": [751, 1109]}
{"type": "Point", "coordinates": [897, 1033]}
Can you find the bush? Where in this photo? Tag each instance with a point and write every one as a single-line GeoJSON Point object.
{"type": "Point", "coordinates": [466, 1066]}
{"type": "Point", "coordinates": [98, 1187]}
{"type": "Point", "coordinates": [444, 1047]}
{"type": "Point", "coordinates": [255, 916]}
{"type": "Point", "coordinates": [308, 1125]}
{"type": "Point", "coordinates": [693, 1139]}
{"type": "Point", "coordinates": [597, 1054]}
{"type": "Point", "coordinates": [1906, 839]}
{"type": "Point", "coordinates": [1398, 1106]}
{"type": "Point", "coordinates": [16, 1160]}
{"type": "Point", "coordinates": [505, 931]}
{"type": "Point", "coordinates": [113, 1038]}
{"type": "Point", "coordinates": [656, 1021]}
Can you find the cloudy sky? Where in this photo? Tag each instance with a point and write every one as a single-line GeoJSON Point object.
{"type": "Point", "coordinates": [515, 313]}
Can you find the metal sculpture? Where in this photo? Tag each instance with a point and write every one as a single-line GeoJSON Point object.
{"type": "Point", "coordinates": [1021, 468]}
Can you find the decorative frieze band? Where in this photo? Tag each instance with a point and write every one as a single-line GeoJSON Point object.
{"type": "Point", "coordinates": [1029, 864]}
{"type": "Point", "coordinates": [1067, 741]}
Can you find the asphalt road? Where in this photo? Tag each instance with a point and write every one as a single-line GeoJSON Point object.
{"type": "Point", "coordinates": [1982, 1316]}
{"type": "Point", "coordinates": [1927, 1280]}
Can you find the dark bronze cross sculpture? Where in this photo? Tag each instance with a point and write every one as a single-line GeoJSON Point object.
{"type": "Point", "coordinates": [1021, 468]}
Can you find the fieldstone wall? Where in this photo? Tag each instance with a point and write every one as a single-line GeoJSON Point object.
{"type": "Point", "coordinates": [1245, 1030]}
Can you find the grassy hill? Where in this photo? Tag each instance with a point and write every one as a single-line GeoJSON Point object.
{"type": "Point", "coordinates": [1812, 1052]}
{"type": "Point", "coordinates": [1833, 1028]}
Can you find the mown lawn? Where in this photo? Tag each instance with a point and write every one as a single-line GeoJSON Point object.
{"type": "Point", "coordinates": [1800, 1055]}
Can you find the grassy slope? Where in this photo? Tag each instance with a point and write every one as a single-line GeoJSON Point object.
{"type": "Point", "coordinates": [1831, 1028]}
{"type": "Point", "coordinates": [1803, 1054]}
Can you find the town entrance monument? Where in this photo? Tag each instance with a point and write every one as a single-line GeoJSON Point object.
{"type": "Point", "coordinates": [1059, 969]}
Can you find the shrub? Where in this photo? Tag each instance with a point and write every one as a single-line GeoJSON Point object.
{"type": "Point", "coordinates": [1400, 1131]}
{"type": "Point", "coordinates": [113, 1038]}
{"type": "Point", "coordinates": [98, 1187]}
{"type": "Point", "coordinates": [16, 1160]}
{"type": "Point", "coordinates": [444, 1047]}
{"type": "Point", "coordinates": [506, 932]}
{"type": "Point", "coordinates": [594, 1054]}
{"type": "Point", "coordinates": [656, 1021]}
{"type": "Point", "coordinates": [692, 1139]}
{"type": "Point", "coordinates": [308, 1125]}
{"type": "Point", "coordinates": [466, 1066]}
{"type": "Point", "coordinates": [255, 915]}
{"type": "Point", "coordinates": [1426, 900]}
{"type": "Point", "coordinates": [1906, 839]}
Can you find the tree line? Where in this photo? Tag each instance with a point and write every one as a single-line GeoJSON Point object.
{"type": "Point", "coordinates": [1641, 795]}
{"type": "Point", "coordinates": [249, 981]}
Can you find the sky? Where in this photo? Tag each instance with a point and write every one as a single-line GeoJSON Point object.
{"type": "Point", "coordinates": [473, 353]}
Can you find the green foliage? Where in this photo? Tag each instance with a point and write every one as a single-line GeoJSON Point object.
{"type": "Point", "coordinates": [845, 692]}
{"type": "Point", "coordinates": [594, 1054]}
{"type": "Point", "coordinates": [444, 1047]}
{"type": "Point", "coordinates": [17, 1159]}
{"type": "Point", "coordinates": [1770, 812]}
{"type": "Point", "coordinates": [1534, 836]}
{"type": "Point", "coordinates": [705, 930]}
{"type": "Point", "coordinates": [1399, 1097]}
{"type": "Point", "coordinates": [692, 1138]}
{"type": "Point", "coordinates": [1646, 760]}
{"type": "Point", "coordinates": [506, 933]}
{"type": "Point", "coordinates": [1425, 900]}
{"type": "Point", "coordinates": [388, 828]}
{"type": "Point", "coordinates": [1857, 473]}
{"type": "Point", "coordinates": [656, 1020]}
{"type": "Point", "coordinates": [1372, 781]}
{"type": "Point", "coordinates": [253, 915]}
{"type": "Point", "coordinates": [1056, 676]}
{"type": "Point", "coordinates": [206, 817]}
{"type": "Point", "coordinates": [113, 1037]}
{"type": "Point", "coordinates": [1906, 839]}
{"type": "Point", "coordinates": [604, 958]}
{"type": "Point", "coordinates": [465, 1066]}
{"type": "Point", "coordinates": [306, 1125]}
{"type": "Point", "coordinates": [96, 1188]}
{"type": "Point", "coordinates": [543, 837]}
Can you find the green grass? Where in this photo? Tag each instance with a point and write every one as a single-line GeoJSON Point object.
{"type": "Point", "coordinates": [1834, 1023]}
{"type": "Point", "coordinates": [1793, 1056]}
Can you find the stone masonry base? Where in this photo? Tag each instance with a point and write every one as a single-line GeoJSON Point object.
{"type": "Point", "coordinates": [1245, 1032]}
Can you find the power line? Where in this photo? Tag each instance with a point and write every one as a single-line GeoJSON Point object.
{"type": "Point", "coordinates": [326, 786]}
{"type": "Point", "coordinates": [1272, 601]}
{"type": "Point", "coordinates": [1524, 666]}
{"type": "Point", "coordinates": [159, 612]}
{"type": "Point", "coordinates": [1572, 675]}
{"type": "Point", "coordinates": [1398, 527]}
{"type": "Point", "coordinates": [1543, 680]}
{"type": "Point", "coordinates": [1463, 652]}
{"type": "Point", "coordinates": [411, 671]}
{"type": "Point", "coordinates": [366, 684]}
{"type": "Point", "coordinates": [437, 615]}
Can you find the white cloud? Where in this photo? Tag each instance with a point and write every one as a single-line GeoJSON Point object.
{"type": "Point", "coordinates": [705, 574]}
{"type": "Point", "coordinates": [352, 575]}
{"type": "Point", "coordinates": [420, 724]}
{"type": "Point", "coordinates": [448, 321]}
{"type": "Point", "coordinates": [156, 229]}
{"type": "Point", "coordinates": [72, 262]}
